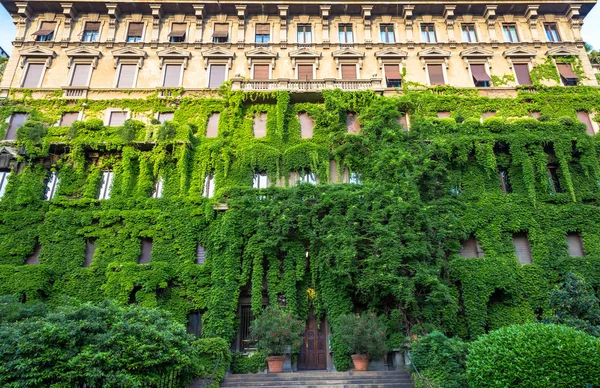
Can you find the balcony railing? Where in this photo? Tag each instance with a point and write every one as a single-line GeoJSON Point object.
{"type": "Point", "coordinates": [306, 85]}
{"type": "Point", "coordinates": [75, 92]}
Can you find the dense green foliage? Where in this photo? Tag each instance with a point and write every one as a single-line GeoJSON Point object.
{"type": "Point", "coordinates": [360, 334]}
{"type": "Point", "coordinates": [534, 355]}
{"type": "Point", "coordinates": [275, 330]}
{"type": "Point", "coordinates": [441, 360]}
{"type": "Point", "coordinates": [253, 363]}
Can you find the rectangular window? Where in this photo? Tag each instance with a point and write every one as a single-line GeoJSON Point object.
{"type": "Point", "coordinates": [51, 185]}
{"type": "Point", "coordinates": [260, 125]}
{"type": "Point", "coordinates": [352, 124]}
{"type": "Point", "coordinates": [135, 32]}
{"type": "Point", "coordinates": [33, 258]}
{"type": "Point", "coordinates": [177, 34]}
{"type": "Point", "coordinates": [217, 76]}
{"type": "Point", "coordinates": [443, 115]}
{"type": "Point", "coordinates": [194, 325]}
{"type": "Point", "coordinates": [468, 33]}
{"type": "Point", "coordinates": [393, 78]}
{"type": "Point", "coordinates": [165, 116]}
{"type": "Point", "coordinates": [567, 76]}
{"type": "Point", "coordinates": [81, 74]}
{"type": "Point", "coordinates": [584, 117]}
{"type": "Point", "coordinates": [348, 72]}
{"type": "Point", "coordinates": [522, 248]}
{"type": "Point", "coordinates": [510, 33]}
{"type": "Point", "coordinates": [246, 319]}
{"type": "Point", "coordinates": [172, 77]}
{"type": "Point", "coordinates": [16, 121]}
{"type": "Point", "coordinates": [107, 180]}
{"type": "Point", "coordinates": [158, 188]}
{"type": "Point", "coordinates": [212, 126]}
{"type": "Point", "coordinates": [261, 72]}
{"type": "Point", "coordinates": [428, 33]}
{"type": "Point", "coordinates": [220, 33]}
{"type": "Point", "coordinates": [354, 179]}
{"type": "Point", "coordinates": [551, 32]}
{"type": "Point", "coordinates": [554, 180]}
{"type": "Point", "coordinates": [90, 249]}
{"type": "Point", "coordinates": [345, 34]}
{"type": "Point", "coordinates": [480, 76]}
{"type": "Point", "coordinates": [146, 251]}
{"type": "Point", "coordinates": [262, 33]}
{"type": "Point", "coordinates": [68, 118]}
{"type": "Point", "coordinates": [575, 244]}
{"type": "Point", "coordinates": [209, 186]}
{"type": "Point", "coordinates": [403, 122]}
{"type": "Point", "coordinates": [3, 182]}
{"type": "Point", "coordinates": [471, 249]}
{"type": "Point", "coordinates": [436, 75]}
{"type": "Point", "coordinates": [126, 76]}
{"type": "Point", "coordinates": [307, 176]}
{"type": "Point", "coordinates": [307, 125]}
{"type": "Point", "coordinates": [260, 181]}
{"type": "Point", "coordinates": [200, 254]}
{"type": "Point", "coordinates": [91, 32]}
{"type": "Point", "coordinates": [305, 72]}
{"type": "Point", "coordinates": [304, 34]}
{"type": "Point", "coordinates": [116, 119]}
{"type": "Point", "coordinates": [33, 76]}
{"type": "Point", "coordinates": [522, 73]}
{"type": "Point", "coordinates": [504, 182]}
{"type": "Point", "coordinates": [46, 32]}
{"type": "Point", "coordinates": [386, 33]}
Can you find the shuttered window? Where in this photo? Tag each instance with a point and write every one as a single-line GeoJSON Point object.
{"type": "Point", "coordinates": [16, 121]}
{"type": "Point", "coordinates": [126, 76]}
{"type": "Point", "coordinates": [107, 180]}
{"type": "Point", "coordinates": [68, 118]}
{"type": "Point", "coordinates": [522, 72]}
{"type": "Point", "coordinates": [575, 244]}
{"type": "Point", "coordinates": [46, 32]}
{"type": "Point", "coordinates": [51, 185]}
{"type": "Point", "coordinates": [522, 248]}
{"type": "Point", "coordinates": [146, 251]}
{"type": "Point", "coordinates": [261, 72]}
{"type": "Point", "coordinates": [212, 127]}
{"type": "Point", "coordinates": [471, 249]}
{"type": "Point", "coordinates": [480, 76]}
{"type": "Point", "coordinates": [568, 77]}
{"type": "Point", "coordinates": [81, 74]}
{"type": "Point", "coordinates": [436, 75]}
{"type": "Point", "coordinates": [221, 33]}
{"type": "Point", "coordinates": [392, 76]}
{"type": "Point", "coordinates": [91, 32]}
{"type": "Point", "coordinates": [177, 33]}
{"type": "Point", "coordinates": [217, 76]}
{"type": "Point", "coordinates": [165, 116]}
{"type": "Point", "coordinates": [262, 33]}
{"type": "Point", "coordinates": [307, 125]}
{"type": "Point", "coordinates": [305, 72]}
{"type": "Point", "coordinates": [200, 254]}
{"type": "Point", "coordinates": [352, 125]}
{"type": "Point", "coordinates": [90, 249]}
{"type": "Point", "coordinates": [116, 119]}
{"type": "Point", "coordinates": [33, 76]}
{"type": "Point", "coordinates": [134, 34]}
{"type": "Point", "coordinates": [33, 258]}
{"type": "Point", "coordinates": [348, 71]}
{"type": "Point", "coordinates": [172, 76]}
{"type": "Point", "coordinates": [260, 124]}
{"type": "Point", "coordinates": [584, 117]}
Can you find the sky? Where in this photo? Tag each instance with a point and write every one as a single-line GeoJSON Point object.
{"type": "Point", "coordinates": [590, 32]}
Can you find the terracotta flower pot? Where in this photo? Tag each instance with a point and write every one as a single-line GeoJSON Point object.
{"type": "Point", "coordinates": [275, 364]}
{"type": "Point", "coordinates": [361, 362]}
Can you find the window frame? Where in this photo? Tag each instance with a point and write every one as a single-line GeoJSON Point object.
{"type": "Point", "coordinates": [141, 37]}
{"type": "Point", "coordinates": [470, 34]}
{"type": "Point", "coordinates": [89, 77]}
{"type": "Point", "coordinates": [208, 187]}
{"type": "Point", "coordinates": [386, 33]}
{"type": "Point", "coordinates": [552, 29]}
{"type": "Point", "coordinates": [106, 185]}
{"type": "Point", "coordinates": [42, 74]}
{"type": "Point", "coordinates": [4, 180]}
{"type": "Point", "coordinates": [508, 29]}
{"type": "Point", "coordinates": [444, 76]}
{"type": "Point", "coordinates": [304, 33]}
{"type": "Point", "coordinates": [226, 77]}
{"type": "Point", "coordinates": [178, 39]}
{"type": "Point", "coordinates": [52, 182]}
{"type": "Point", "coordinates": [426, 33]}
{"type": "Point", "coordinates": [343, 32]}
{"type": "Point", "coordinates": [264, 38]}
{"type": "Point", "coordinates": [514, 68]}
{"type": "Point", "coordinates": [94, 37]}
{"type": "Point", "coordinates": [118, 75]}
{"type": "Point", "coordinates": [50, 36]}
{"type": "Point", "coordinates": [224, 39]}
{"type": "Point", "coordinates": [260, 178]}
{"type": "Point", "coordinates": [164, 74]}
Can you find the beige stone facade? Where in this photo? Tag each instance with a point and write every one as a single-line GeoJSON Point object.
{"type": "Point", "coordinates": [347, 46]}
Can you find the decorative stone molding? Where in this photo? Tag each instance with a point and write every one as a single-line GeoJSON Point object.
{"type": "Point", "coordinates": [261, 55]}
{"type": "Point", "coordinates": [390, 55]}
{"type": "Point", "coordinates": [157, 15]}
{"type": "Point", "coordinates": [434, 55]}
{"type": "Point", "coordinates": [519, 54]}
{"type": "Point", "coordinates": [36, 55]}
{"type": "Point", "coordinates": [129, 55]}
{"type": "Point", "coordinates": [23, 9]}
{"type": "Point", "coordinates": [477, 55]}
{"type": "Point", "coordinates": [283, 25]}
{"type": "Point", "coordinates": [305, 55]}
{"type": "Point", "coordinates": [174, 55]}
{"type": "Point", "coordinates": [562, 51]}
{"type": "Point", "coordinates": [83, 54]}
{"type": "Point", "coordinates": [348, 55]}
{"type": "Point", "coordinates": [218, 55]}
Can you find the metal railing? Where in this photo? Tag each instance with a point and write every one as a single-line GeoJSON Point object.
{"type": "Point", "coordinates": [423, 379]}
{"type": "Point", "coordinates": [214, 372]}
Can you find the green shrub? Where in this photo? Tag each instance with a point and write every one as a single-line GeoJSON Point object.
{"type": "Point", "coordinates": [130, 129]}
{"type": "Point", "coordinates": [32, 130]}
{"type": "Point", "coordinates": [275, 330]}
{"type": "Point", "coordinates": [254, 363]}
{"type": "Point", "coordinates": [441, 359]}
{"type": "Point", "coordinates": [213, 352]}
{"type": "Point", "coordinates": [167, 131]}
{"type": "Point", "coordinates": [534, 355]}
{"type": "Point", "coordinates": [364, 334]}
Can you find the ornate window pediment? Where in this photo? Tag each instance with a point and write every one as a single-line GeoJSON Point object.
{"type": "Point", "coordinates": [261, 55]}
{"type": "Point", "coordinates": [174, 55]}
{"type": "Point", "coordinates": [561, 51]}
{"type": "Point", "coordinates": [519, 52]}
{"type": "Point", "coordinates": [391, 53]}
{"type": "Point", "coordinates": [434, 52]}
{"type": "Point", "coordinates": [130, 55]}
{"type": "Point", "coordinates": [218, 55]}
{"type": "Point", "coordinates": [38, 55]}
{"type": "Point", "coordinates": [83, 54]}
{"type": "Point", "coordinates": [306, 56]}
{"type": "Point", "coordinates": [348, 55]}
{"type": "Point", "coordinates": [477, 52]}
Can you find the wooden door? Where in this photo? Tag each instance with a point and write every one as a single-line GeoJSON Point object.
{"type": "Point", "coordinates": [313, 353]}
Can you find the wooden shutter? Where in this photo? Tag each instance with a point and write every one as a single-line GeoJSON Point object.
{"type": "Point", "coordinates": [117, 119]}
{"type": "Point", "coordinates": [352, 124]}
{"type": "Point", "coordinates": [165, 116]}
{"type": "Point", "coordinates": [392, 72]}
{"type": "Point", "coordinates": [33, 258]}
{"type": "Point", "coordinates": [522, 248]}
{"type": "Point", "coordinates": [81, 74]}
{"type": "Point", "coordinates": [306, 125]}
{"type": "Point", "coordinates": [172, 76]}
{"type": "Point", "coordinates": [45, 29]}
{"type": "Point", "coordinates": [436, 74]}
{"type": "Point", "coordinates": [217, 76]}
{"type": "Point", "coordinates": [126, 76]}
{"type": "Point", "coordinates": [263, 29]}
{"type": "Point", "coordinates": [90, 248]}
{"type": "Point", "coordinates": [177, 30]}
{"type": "Point", "coordinates": [92, 26]}
{"type": "Point", "coordinates": [261, 72]}
{"type": "Point", "coordinates": [68, 119]}
{"type": "Point", "coordinates": [16, 121]}
{"type": "Point", "coordinates": [135, 29]}
{"type": "Point", "coordinates": [566, 71]}
{"type": "Point", "coordinates": [522, 72]}
{"type": "Point", "coordinates": [348, 71]}
{"type": "Point", "coordinates": [33, 75]}
{"type": "Point", "coordinates": [479, 73]}
{"type": "Point", "coordinates": [305, 72]}
{"type": "Point", "coordinates": [212, 127]}
{"type": "Point", "coordinates": [575, 245]}
{"type": "Point", "coordinates": [471, 249]}
{"type": "Point", "coordinates": [584, 117]}
{"type": "Point", "coordinates": [146, 250]}
{"type": "Point", "coordinates": [221, 30]}
{"type": "Point", "coordinates": [260, 125]}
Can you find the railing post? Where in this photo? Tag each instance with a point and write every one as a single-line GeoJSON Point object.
{"type": "Point", "coordinates": [329, 83]}
{"type": "Point", "coordinates": [236, 83]}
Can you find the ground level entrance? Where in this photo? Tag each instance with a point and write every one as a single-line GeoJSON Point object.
{"type": "Point", "coordinates": [313, 352]}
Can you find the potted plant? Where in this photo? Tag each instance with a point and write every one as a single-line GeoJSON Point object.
{"type": "Point", "coordinates": [274, 331]}
{"type": "Point", "coordinates": [363, 335]}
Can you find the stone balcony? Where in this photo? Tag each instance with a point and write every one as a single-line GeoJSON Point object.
{"type": "Point", "coordinates": [306, 85]}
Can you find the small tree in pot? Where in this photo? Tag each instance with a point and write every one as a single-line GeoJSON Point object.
{"type": "Point", "coordinates": [274, 331]}
{"type": "Point", "coordinates": [364, 335]}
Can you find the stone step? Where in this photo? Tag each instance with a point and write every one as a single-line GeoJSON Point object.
{"type": "Point", "coordinates": [371, 379]}
{"type": "Point", "coordinates": [260, 383]}
{"type": "Point", "coordinates": [319, 385]}
{"type": "Point", "coordinates": [324, 374]}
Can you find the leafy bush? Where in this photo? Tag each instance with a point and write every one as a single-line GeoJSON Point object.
{"type": "Point", "coordinates": [254, 363]}
{"type": "Point", "coordinates": [363, 334]}
{"type": "Point", "coordinates": [534, 355]}
{"type": "Point", "coordinates": [12, 310]}
{"type": "Point", "coordinates": [274, 330]}
{"type": "Point", "coordinates": [213, 352]}
{"type": "Point", "coordinates": [441, 360]}
{"type": "Point", "coordinates": [167, 131]}
{"type": "Point", "coordinates": [130, 129]}
{"type": "Point", "coordinates": [32, 130]}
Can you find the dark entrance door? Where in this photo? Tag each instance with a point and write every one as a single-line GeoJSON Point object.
{"type": "Point", "coordinates": [313, 353]}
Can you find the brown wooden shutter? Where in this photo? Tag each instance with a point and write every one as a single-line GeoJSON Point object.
{"type": "Point", "coordinates": [46, 28]}
{"type": "Point", "coordinates": [16, 121]}
{"type": "Point", "coordinates": [436, 74]}
{"type": "Point", "coordinates": [522, 72]}
{"type": "Point", "coordinates": [263, 29]}
{"type": "Point", "coordinates": [443, 115]}
{"type": "Point", "coordinates": [348, 71]}
{"type": "Point", "coordinates": [33, 75]}
{"type": "Point", "coordinates": [126, 76]}
{"type": "Point", "coordinates": [479, 73]}
{"type": "Point", "coordinates": [584, 117]}
{"type": "Point", "coordinates": [81, 75]}
{"type": "Point", "coordinates": [117, 119]}
{"type": "Point", "coordinates": [90, 248]}
{"type": "Point", "coordinates": [352, 125]}
{"type": "Point", "coordinates": [217, 76]}
{"type": "Point", "coordinates": [146, 250]}
{"type": "Point", "coordinates": [392, 72]}
{"type": "Point", "coordinates": [471, 249]}
{"type": "Point", "coordinates": [92, 26]}
{"type": "Point", "coordinates": [575, 245]}
{"type": "Point", "coordinates": [68, 119]}
{"type": "Point", "coordinates": [522, 248]}
{"type": "Point", "coordinates": [200, 254]}
{"type": "Point", "coordinates": [212, 127]}
{"type": "Point", "coordinates": [135, 29]}
{"type": "Point", "coordinates": [566, 71]}
{"type": "Point", "coordinates": [221, 30]}
{"type": "Point", "coordinates": [333, 172]}
{"type": "Point", "coordinates": [306, 125]}
{"type": "Point", "coordinates": [177, 30]}
{"type": "Point", "coordinates": [260, 125]}
{"type": "Point", "coordinates": [33, 258]}
{"type": "Point", "coordinates": [172, 76]}
{"type": "Point", "coordinates": [261, 72]}
{"type": "Point", "coordinates": [305, 72]}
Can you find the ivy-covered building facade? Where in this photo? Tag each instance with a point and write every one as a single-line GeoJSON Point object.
{"type": "Point", "coordinates": [434, 163]}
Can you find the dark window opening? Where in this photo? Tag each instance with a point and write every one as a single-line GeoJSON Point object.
{"type": "Point", "coordinates": [575, 244]}
{"type": "Point", "coordinates": [146, 250]}
{"type": "Point", "coordinates": [33, 258]}
{"type": "Point", "coordinates": [471, 249]}
{"type": "Point", "coordinates": [504, 181]}
{"type": "Point", "coordinates": [194, 325]}
{"type": "Point", "coordinates": [90, 249]}
{"type": "Point", "coordinates": [132, 294]}
{"type": "Point", "coordinates": [554, 180]}
{"type": "Point", "coordinates": [246, 318]}
{"type": "Point", "coordinates": [522, 247]}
